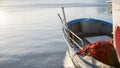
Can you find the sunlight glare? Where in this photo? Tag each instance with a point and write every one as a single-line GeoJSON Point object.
{"type": "Point", "coordinates": [3, 17]}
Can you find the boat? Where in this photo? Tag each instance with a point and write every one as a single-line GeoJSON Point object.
{"type": "Point", "coordinates": [116, 25]}
{"type": "Point", "coordinates": [109, 5]}
{"type": "Point", "coordinates": [84, 31]}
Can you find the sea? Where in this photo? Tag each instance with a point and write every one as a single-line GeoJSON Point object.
{"type": "Point", "coordinates": [31, 32]}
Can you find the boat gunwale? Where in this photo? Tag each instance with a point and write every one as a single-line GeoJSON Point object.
{"type": "Point", "coordinates": [82, 20]}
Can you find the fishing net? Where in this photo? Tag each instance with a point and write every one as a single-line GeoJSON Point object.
{"type": "Point", "coordinates": [103, 51]}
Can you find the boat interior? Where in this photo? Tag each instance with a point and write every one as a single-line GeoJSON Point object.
{"type": "Point", "coordinates": [90, 32]}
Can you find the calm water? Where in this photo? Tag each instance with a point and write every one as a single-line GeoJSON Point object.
{"type": "Point", "coordinates": [31, 36]}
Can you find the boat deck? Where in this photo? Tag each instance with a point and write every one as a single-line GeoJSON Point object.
{"type": "Point", "coordinates": [91, 39]}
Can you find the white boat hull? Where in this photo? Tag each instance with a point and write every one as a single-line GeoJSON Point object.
{"type": "Point", "coordinates": [116, 25]}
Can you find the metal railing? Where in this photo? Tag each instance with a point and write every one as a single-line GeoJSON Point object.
{"type": "Point", "coordinates": [72, 39]}
{"type": "Point", "coordinates": [67, 31]}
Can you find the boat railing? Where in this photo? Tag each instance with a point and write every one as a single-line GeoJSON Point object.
{"type": "Point", "coordinates": [67, 31]}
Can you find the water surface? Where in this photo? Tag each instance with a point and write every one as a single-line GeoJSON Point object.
{"type": "Point", "coordinates": [31, 37]}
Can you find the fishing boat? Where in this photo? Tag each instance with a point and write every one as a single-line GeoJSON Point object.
{"type": "Point", "coordinates": [116, 25]}
{"type": "Point", "coordinates": [109, 5]}
{"type": "Point", "coordinates": [82, 32]}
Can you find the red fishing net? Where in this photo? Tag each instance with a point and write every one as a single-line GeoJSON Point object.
{"type": "Point", "coordinates": [102, 51]}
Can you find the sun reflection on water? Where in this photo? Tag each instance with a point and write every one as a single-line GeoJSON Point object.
{"type": "Point", "coordinates": [3, 17]}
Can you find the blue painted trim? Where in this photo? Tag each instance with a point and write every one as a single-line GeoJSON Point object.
{"type": "Point", "coordinates": [90, 20]}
